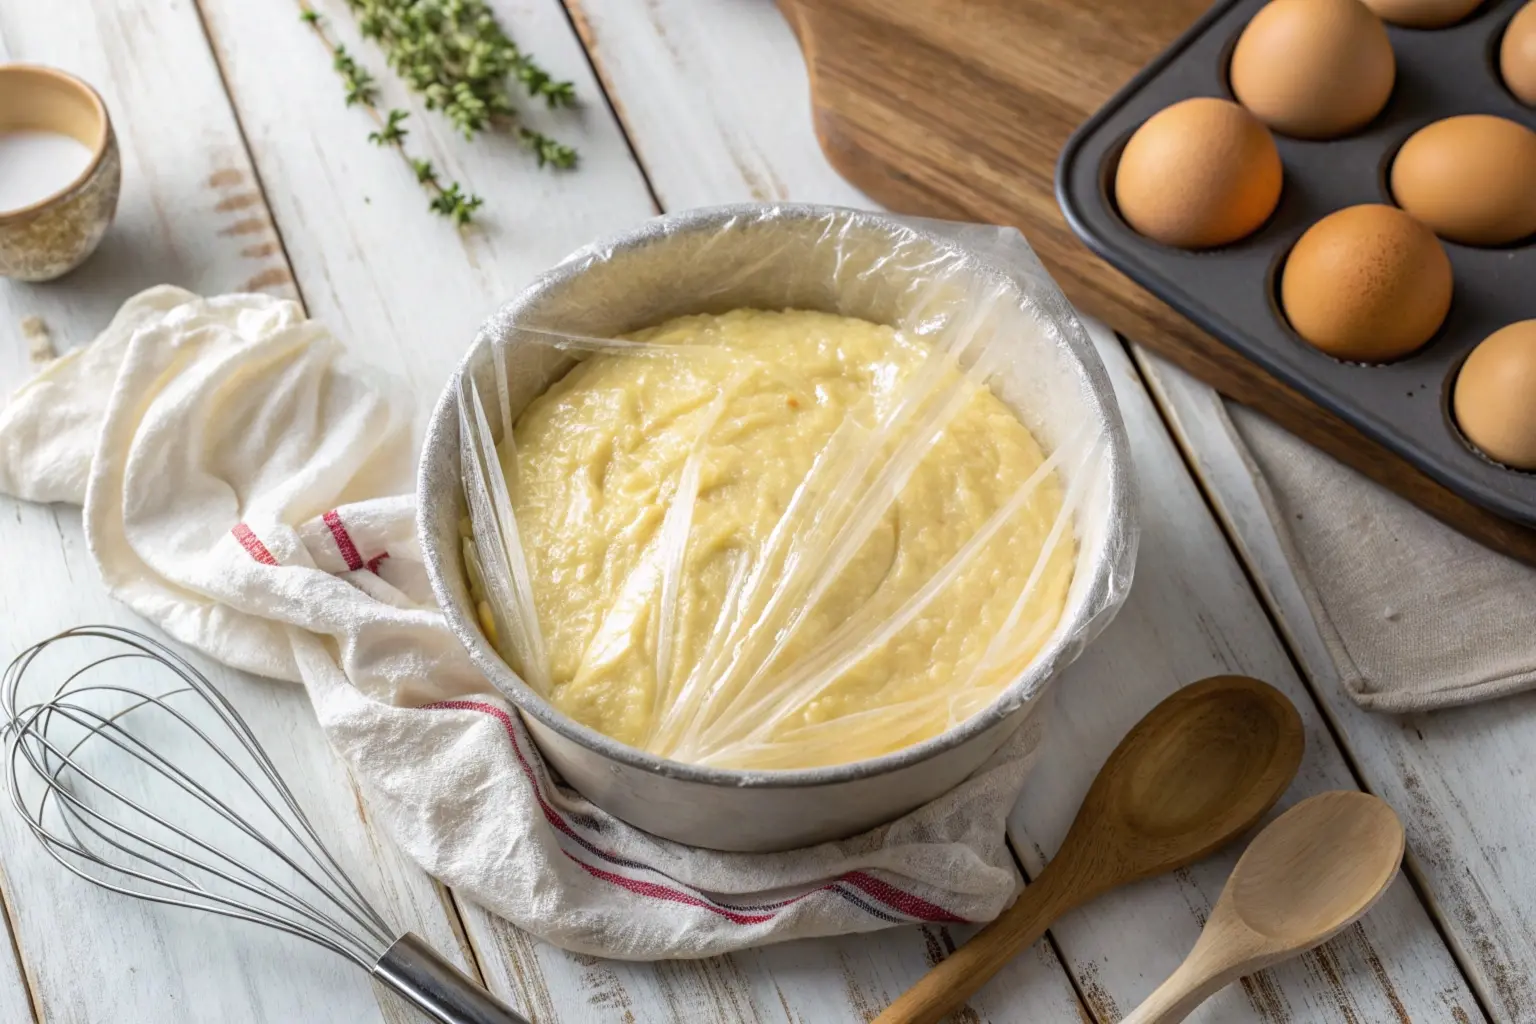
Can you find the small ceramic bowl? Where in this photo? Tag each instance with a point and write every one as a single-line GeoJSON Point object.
{"type": "Point", "coordinates": [54, 235]}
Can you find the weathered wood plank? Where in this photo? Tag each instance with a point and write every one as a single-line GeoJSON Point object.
{"type": "Point", "coordinates": [15, 992]}
{"type": "Point", "coordinates": [401, 286]}
{"type": "Point", "coordinates": [807, 982]}
{"type": "Point", "coordinates": [1191, 614]}
{"type": "Point", "coordinates": [1458, 776]}
{"type": "Point", "coordinates": [189, 215]}
{"type": "Point", "coordinates": [407, 291]}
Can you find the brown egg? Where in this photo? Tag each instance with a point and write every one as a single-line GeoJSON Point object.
{"type": "Point", "coordinates": [1471, 178]}
{"type": "Point", "coordinates": [1517, 55]}
{"type": "Point", "coordinates": [1367, 283]}
{"type": "Point", "coordinates": [1422, 13]}
{"type": "Point", "coordinates": [1495, 395]}
{"type": "Point", "coordinates": [1200, 173]}
{"type": "Point", "coordinates": [1315, 69]}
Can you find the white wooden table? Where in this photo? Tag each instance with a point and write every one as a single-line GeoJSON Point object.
{"type": "Point", "coordinates": [244, 171]}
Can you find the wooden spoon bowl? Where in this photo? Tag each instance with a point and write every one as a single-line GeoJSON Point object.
{"type": "Point", "coordinates": [1312, 873]}
{"type": "Point", "coordinates": [1320, 866]}
{"type": "Point", "coordinates": [1197, 768]}
{"type": "Point", "coordinates": [1197, 772]}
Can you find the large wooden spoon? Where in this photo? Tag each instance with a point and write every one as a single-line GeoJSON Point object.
{"type": "Point", "coordinates": [1197, 772]}
{"type": "Point", "coordinates": [1312, 873]}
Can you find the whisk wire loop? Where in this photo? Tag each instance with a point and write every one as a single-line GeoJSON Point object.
{"type": "Point", "coordinates": [68, 816]}
{"type": "Point", "coordinates": [81, 813]}
{"type": "Point", "coordinates": [75, 769]}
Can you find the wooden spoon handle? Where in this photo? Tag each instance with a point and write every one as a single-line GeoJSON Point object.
{"type": "Point", "coordinates": [946, 987]}
{"type": "Point", "coordinates": [1198, 978]}
{"type": "Point", "coordinates": [1171, 1001]}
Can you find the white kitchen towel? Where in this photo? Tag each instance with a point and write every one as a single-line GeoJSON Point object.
{"type": "Point", "coordinates": [1414, 615]}
{"type": "Point", "coordinates": [242, 490]}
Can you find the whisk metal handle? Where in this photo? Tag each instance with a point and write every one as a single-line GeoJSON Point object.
{"type": "Point", "coordinates": [437, 988]}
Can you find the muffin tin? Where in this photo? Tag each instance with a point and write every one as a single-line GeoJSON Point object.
{"type": "Point", "coordinates": [1232, 292]}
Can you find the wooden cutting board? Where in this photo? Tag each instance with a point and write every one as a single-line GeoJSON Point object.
{"type": "Point", "coordinates": [958, 108]}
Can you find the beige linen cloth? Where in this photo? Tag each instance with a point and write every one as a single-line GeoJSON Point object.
{"type": "Point", "coordinates": [1415, 615]}
{"type": "Point", "coordinates": [246, 490]}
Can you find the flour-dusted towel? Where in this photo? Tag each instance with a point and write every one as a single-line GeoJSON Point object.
{"type": "Point", "coordinates": [1415, 615]}
{"type": "Point", "coordinates": [240, 490]}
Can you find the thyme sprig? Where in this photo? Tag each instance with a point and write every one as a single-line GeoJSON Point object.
{"type": "Point", "coordinates": [450, 201]}
{"type": "Point", "coordinates": [456, 56]}
{"type": "Point", "coordinates": [391, 134]}
{"type": "Point", "coordinates": [455, 205]}
{"type": "Point", "coordinates": [356, 78]}
{"type": "Point", "coordinates": [546, 150]}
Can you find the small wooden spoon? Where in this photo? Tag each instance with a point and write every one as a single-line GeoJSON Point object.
{"type": "Point", "coordinates": [1312, 873]}
{"type": "Point", "coordinates": [1197, 772]}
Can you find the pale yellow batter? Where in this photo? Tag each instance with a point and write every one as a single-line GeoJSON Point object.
{"type": "Point", "coordinates": [683, 510]}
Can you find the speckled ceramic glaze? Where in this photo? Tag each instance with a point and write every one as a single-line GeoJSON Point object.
{"type": "Point", "coordinates": [55, 235]}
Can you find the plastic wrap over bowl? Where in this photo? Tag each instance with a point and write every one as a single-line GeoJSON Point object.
{"type": "Point", "coordinates": [872, 266]}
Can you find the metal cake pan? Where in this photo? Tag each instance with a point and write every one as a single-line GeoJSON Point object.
{"type": "Point", "coordinates": [799, 256]}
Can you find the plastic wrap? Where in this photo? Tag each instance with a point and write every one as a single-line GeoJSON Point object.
{"type": "Point", "coordinates": [749, 697]}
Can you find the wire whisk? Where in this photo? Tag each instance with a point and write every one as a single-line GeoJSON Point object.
{"type": "Point", "coordinates": [162, 792]}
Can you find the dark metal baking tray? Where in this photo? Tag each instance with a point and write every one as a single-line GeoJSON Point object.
{"type": "Point", "coordinates": [1231, 292]}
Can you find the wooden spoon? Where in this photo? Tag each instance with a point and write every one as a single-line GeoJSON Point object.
{"type": "Point", "coordinates": [1312, 873]}
{"type": "Point", "coordinates": [1197, 772]}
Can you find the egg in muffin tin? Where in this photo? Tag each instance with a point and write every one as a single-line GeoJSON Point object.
{"type": "Point", "coordinates": [1405, 219]}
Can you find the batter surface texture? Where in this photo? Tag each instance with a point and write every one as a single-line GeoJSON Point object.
{"type": "Point", "coordinates": [716, 577]}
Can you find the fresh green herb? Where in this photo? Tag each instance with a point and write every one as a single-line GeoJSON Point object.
{"type": "Point", "coordinates": [546, 150]}
{"type": "Point", "coordinates": [391, 134]}
{"type": "Point", "coordinates": [356, 78]}
{"type": "Point", "coordinates": [454, 204]}
{"type": "Point", "coordinates": [457, 57]}
{"type": "Point", "coordinates": [451, 201]}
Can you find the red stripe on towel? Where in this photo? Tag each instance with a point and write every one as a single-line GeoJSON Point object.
{"type": "Point", "coordinates": [662, 892]}
{"type": "Point", "coordinates": [252, 544]}
{"type": "Point", "coordinates": [373, 563]}
{"type": "Point", "coordinates": [912, 906]}
{"type": "Point", "coordinates": [343, 540]}
{"type": "Point", "coordinates": [904, 902]}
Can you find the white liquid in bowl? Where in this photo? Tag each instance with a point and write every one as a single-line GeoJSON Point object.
{"type": "Point", "coordinates": [36, 164]}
